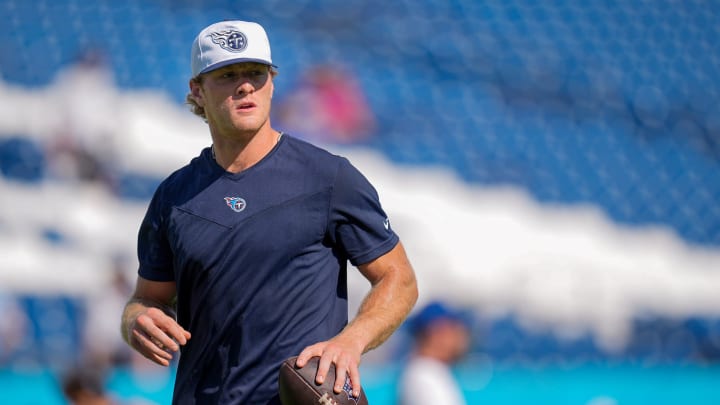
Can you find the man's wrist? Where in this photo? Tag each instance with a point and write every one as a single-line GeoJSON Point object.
{"type": "Point", "coordinates": [132, 310]}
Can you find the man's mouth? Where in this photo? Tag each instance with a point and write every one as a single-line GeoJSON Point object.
{"type": "Point", "coordinates": [246, 106]}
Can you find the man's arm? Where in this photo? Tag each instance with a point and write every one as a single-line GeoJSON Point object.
{"type": "Point", "coordinates": [392, 296]}
{"type": "Point", "coordinates": [148, 321]}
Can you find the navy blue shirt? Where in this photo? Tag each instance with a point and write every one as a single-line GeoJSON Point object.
{"type": "Point", "coordinates": [259, 259]}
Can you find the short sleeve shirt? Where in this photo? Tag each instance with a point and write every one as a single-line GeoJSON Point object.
{"type": "Point", "coordinates": [259, 259]}
{"type": "Point", "coordinates": [427, 381]}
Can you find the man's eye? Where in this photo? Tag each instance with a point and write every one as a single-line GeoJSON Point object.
{"type": "Point", "coordinates": [228, 75]}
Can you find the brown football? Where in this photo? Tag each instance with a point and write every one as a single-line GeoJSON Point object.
{"type": "Point", "coordinates": [297, 386]}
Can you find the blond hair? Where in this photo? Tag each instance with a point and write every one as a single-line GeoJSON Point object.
{"type": "Point", "coordinates": [195, 108]}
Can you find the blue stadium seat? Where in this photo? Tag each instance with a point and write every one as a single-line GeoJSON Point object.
{"type": "Point", "coordinates": [22, 159]}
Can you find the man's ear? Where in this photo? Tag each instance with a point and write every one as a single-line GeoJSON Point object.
{"type": "Point", "coordinates": [197, 93]}
{"type": "Point", "coordinates": [273, 74]}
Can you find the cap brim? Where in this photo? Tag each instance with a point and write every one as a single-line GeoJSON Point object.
{"type": "Point", "coordinates": [232, 62]}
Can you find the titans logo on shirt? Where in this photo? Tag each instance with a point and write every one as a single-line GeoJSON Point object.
{"type": "Point", "coordinates": [237, 204]}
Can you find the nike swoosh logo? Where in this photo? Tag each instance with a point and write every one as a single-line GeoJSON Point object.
{"type": "Point", "coordinates": [386, 222]}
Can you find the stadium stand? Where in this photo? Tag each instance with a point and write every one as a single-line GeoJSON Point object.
{"type": "Point", "coordinates": [611, 103]}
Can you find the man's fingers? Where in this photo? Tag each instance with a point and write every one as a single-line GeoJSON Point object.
{"type": "Point", "coordinates": [165, 330]}
{"type": "Point", "coordinates": [151, 350]}
{"type": "Point", "coordinates": [150, 345]}
{"type": "Point", "coordinates": [166, 323]}
{"type": "Point", "coordinates": [346, 369]}
{"type": "Point", "coordinates": [339, 380]}
{"type": "Point", "coordinates": [172, 329]}
{"type": "Point", "coordinates": [355, 381]}
{"type": "Point", "coordinates": [323, 366]}
{"type": "Point", "coordinates": [159, 360]}
{"type": "Point", "coordinates": [316, 350]}
{"type": "Point", "coordinates": [345, 366]}
{"type": "Point", "coordinates": [158, 336]}
{"type": "Point", "coordinates": [307, 354]}
{"type": "Point", "coordinates": [340, 371]}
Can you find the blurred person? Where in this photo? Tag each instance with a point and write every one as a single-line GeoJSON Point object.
{"type": "Point", "coordinates": [13, 326]}
{"type": "Point", "coordinates": [328, 106]}
{"type": "Point", "coordinates": [85, 387]}
{"type": "Point", "coordinates": [243, 253]}
{"type": "Point", "coordinates": [103, 345]}
{"type": "Point", "coordinates": [442, 336]}
{"type": "Point", "coordinates": [83, 145]}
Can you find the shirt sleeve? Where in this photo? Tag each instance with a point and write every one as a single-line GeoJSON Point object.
{"type": "Point", "coordinates": [154, 253]}
{"type": "Point", "coordinates": [358, 224]}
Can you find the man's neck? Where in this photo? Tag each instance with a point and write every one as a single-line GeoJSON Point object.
{"type": "Point", "coordinates": [238, 154]}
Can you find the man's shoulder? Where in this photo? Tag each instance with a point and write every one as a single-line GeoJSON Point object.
{"type": "Point", "coordinates": [186, 177]}
{"type": "Point", "coordinates": [306, 148]}
{"type": "Point", "coordinates": [312, 157]}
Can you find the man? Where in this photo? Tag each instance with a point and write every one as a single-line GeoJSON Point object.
{"type": "Point", "coordinates": [85, 388]}
{"type": "Point", "coordinates": [250, 243]}
{"type": "Point", "coordinates": [441, 337]}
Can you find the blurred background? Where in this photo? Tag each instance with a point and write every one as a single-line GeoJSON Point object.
{"type": "Point", "coordinates": [552, 167]}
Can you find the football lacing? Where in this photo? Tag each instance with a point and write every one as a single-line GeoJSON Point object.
{"type": "Point", "coordinates": [326, 400]}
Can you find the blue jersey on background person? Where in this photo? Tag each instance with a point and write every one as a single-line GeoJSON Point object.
{"type": "Point", "coordinates": [249, 243]}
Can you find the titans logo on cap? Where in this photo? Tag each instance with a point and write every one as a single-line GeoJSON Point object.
{"type": "Point", "coordinates": [231, 40]}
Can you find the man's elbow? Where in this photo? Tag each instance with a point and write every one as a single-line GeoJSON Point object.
{"type": "Point", "coordinates": [410, 288]}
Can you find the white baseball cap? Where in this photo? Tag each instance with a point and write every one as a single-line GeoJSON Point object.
{"type": "Point", "coordinates": [229, 42]}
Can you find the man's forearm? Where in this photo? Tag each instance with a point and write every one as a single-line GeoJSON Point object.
{"type": "Point", "coordinates": [384, 308]}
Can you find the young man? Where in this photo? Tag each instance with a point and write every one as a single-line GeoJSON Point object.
{"type": "Point", "coordinates": [250, 242]}
{"type": "Point", "coordinates": [442, 337]}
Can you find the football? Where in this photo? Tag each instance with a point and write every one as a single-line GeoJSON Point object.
{"type": "Point", "coordinates": [297, 386]}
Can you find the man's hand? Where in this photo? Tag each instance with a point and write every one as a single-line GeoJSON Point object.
{"type": "Point", "coordinates": [340, 351]}
{"type": "Point", "coordinates": [393, 294]}
{"type": "Point", "coordinates": [147, 325]}
{"type": "Point", "coordinates": [155, 335]}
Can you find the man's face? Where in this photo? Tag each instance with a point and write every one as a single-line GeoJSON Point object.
{"type": "Point", "coordinates": [449, 338]}
{"type": "Point", "coordinates": [236, 98]}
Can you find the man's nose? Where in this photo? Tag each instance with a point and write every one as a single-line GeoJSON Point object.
{"type": "Point", "coordinates": [245, 87]}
